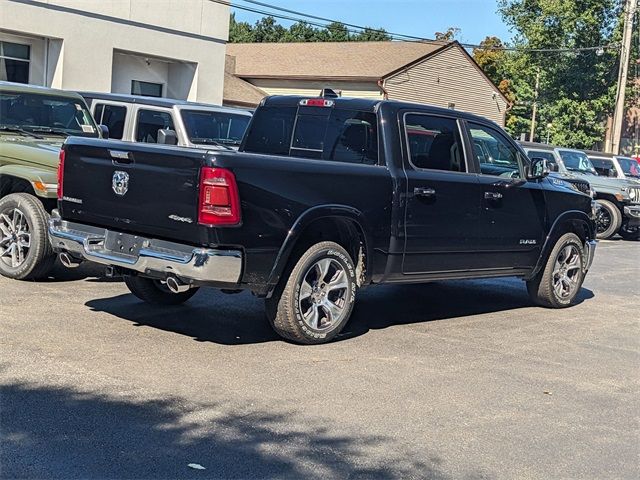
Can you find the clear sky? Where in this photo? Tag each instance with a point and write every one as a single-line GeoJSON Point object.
{"type": "Point", "coordinates": [422, 18]}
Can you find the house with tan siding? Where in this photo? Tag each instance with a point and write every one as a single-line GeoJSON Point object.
{"type": "Point", "coordinates": [436, 73]}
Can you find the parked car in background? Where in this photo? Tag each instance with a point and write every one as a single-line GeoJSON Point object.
{"type": "Point", "coordinates": [618, 198]}
{"type": "Point", "coordinates": [135, 118]}
{"type": "Point", "coordinates": [34, 121]}
{"type": "Point", "coordinates": [326, 195]}
{"type": "Point", "coordinates": [616, 166]}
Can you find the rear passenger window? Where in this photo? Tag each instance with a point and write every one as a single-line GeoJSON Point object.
{"type": "Point", "coordinates": [338, 135]}
{"type": "Point", "coordinates": [149, 122]}
{"type": "Point", "coordinates": [434, 143]}
{"type": "Point", "coordinates": [113, 117]}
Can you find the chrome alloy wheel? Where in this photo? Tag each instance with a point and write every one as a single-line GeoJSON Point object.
{"type": "Point", "coordinates": [15, 238]}
{"type": "Point", "coordinates": [566, 272]}
{"type": "Point", "coordinates": [324, 291]}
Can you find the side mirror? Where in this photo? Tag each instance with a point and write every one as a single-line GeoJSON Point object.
{"type": "Point", "coordinates": [104, 131]}
{"type": "Point", "coordinates": [167, 137]}
{"type": "Point", "coordinates": [554, 167]}
{"type": "Point", "coordinates": [539, 168]}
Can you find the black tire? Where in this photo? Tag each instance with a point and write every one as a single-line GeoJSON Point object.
{"type": "Point", "coordinates": [293, 314]}
{"type": "Point", "coordinates": [541, 288]}
{"type": "Point", "coordinates": [36, 259]}
{"type": "Point", "coordinates": [629, 233]}
{"type": "Point", "coordinates": [155, 292]}
{"type": "Point", "coordinates": [608, 219]}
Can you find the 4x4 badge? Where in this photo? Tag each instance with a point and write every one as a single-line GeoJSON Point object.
{"type": "Point", "coordinates": [120, 182]}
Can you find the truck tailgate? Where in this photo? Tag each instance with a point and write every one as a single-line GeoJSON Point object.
{"type": "Point", "coordinates": [147, 189]}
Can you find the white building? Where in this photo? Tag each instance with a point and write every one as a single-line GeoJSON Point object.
{"type": "Point", "coordinates": [168, 48]}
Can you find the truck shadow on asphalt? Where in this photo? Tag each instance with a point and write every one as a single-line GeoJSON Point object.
{"type": "Point", "coordinates": [52, 432]}
{"type": "Point", "coordinates": [211, 316]}
{"type": "Point", "coordinates": [91, 272]}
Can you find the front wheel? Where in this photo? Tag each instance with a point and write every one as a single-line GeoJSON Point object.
{"type": "Point", "coordinates": [25, 252]}
{"type": "Point", "coordinates": [156, 292]}
{"type": "Point", "coordinates": [558, 284]}
{"type": "Point", "coordinates": [608, 219]}
{"type": "Point", "coordinates": [316, 302]}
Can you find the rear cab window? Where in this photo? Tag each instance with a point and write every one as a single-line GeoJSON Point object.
{"type": "Point", "coordinates": [321, 133]}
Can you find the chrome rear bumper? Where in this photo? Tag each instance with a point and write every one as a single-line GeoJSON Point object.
{"type": "Point", "coordinates": [145, 255]}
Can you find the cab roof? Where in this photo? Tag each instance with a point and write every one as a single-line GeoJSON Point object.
{"type": "Point", "coordinates": [370, 105]}
{"type": "Point", "coordinates": [156, 101]}
{"type": "Point", "coordinates": [36, 89]}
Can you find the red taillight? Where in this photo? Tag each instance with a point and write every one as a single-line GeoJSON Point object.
{"type": "Point", "coordinates": [219, 200]}
{"type": "Point", "coordinates": [316, 102]}
{"type": "Point", "coordinates": [61, 175]}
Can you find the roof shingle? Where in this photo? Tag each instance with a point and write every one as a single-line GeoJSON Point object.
{"type": "Point", "coordinates": [323, 60]}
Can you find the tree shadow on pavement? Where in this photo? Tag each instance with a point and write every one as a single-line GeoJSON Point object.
{"type": "Point", "coordinates": [212, 316]}
{"type": "Point", "coordinates": [48, 432]}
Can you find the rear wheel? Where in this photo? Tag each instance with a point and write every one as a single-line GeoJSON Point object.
{"type": "Point", "coordinates": [316, 302]}
{"type": "Point", "coordinates": [156, 292]}
{"type": "Point", "coordinates": [608, 219]}
{"type": "Point", "coordinates": [25, 252]}
{"type": "Point", "coordinates": [557, 285]}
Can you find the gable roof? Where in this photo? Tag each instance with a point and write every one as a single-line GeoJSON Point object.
{"type": "Point", "coordinates": [327, 60]}
{"type": "Point", "coordinates": [240, 92]}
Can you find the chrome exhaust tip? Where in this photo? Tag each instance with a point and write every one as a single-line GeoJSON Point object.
{"type": "Point", "coordinates": [68, 261]}
{"type": "Point", "coordinates": [176, 286]}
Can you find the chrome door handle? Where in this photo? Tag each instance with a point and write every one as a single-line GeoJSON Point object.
{"type": "Point", "coordinates": [492, 196]}
{"type": "Point", "coordinates": [424, 192]}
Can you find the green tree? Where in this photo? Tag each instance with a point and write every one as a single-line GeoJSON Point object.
{"type": "Point", "coordinates": [301, 32]}
{"type": "Point", "coordinates": [449, 35]}
{"type": "Point", "coordinates": [371, 35]}
{"type": "Point", "coordinates": [268, 30]}
{"type": "Point", "coordinates": [240, 32]}
{"type": "Point", "coordinates": [573, 83]}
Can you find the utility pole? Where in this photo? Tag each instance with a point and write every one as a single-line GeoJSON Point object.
{"type": "Point", "coordinates": [625, 51]}
{"type": "Point", "coordinates": [535, 106]}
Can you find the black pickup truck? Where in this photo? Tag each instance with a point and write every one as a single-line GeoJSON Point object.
{"type": "Point", "coordinates": [325, 196]}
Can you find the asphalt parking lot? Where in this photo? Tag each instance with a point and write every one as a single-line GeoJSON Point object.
{"type": "Point", "coordinates": [441, 381]}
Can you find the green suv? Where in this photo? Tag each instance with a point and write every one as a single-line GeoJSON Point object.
{"type": "Point", "coordinates": [34, 122]}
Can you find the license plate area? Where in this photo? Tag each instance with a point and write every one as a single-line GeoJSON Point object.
{"type": "Point", "coordinates": [123, 243]}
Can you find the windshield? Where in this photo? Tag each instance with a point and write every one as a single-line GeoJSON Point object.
{"type": "Point", "coordinates": [577, 162]}
{"type": "Point", "coordinates": [206, 126]}
{"type": "Point", "coordinates": [629, 166]}
{"type": "Point", "coordinates": [45, 114]}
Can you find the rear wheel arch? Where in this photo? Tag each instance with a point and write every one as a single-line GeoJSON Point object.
{"type": "Point", "coordinates": [342, 225]}
{"type": "Point", "coordinates": [12, 184]}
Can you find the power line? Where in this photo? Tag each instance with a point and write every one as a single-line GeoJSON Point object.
{"type": "Point", "coordinates": [394, 36]}
{"type": "Point", "coordinates": [323, 19]}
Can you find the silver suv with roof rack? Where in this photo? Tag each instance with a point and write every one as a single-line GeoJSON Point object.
{"type": "Point", "coordinates": [618, 199]}
{"type": "Point", "coordinates": [135, 118]}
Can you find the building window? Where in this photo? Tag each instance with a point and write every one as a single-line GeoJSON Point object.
{"type": "Point", "coordinates": [146, 89]}
{"type": "Point", "coordinates": [14, 62]}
